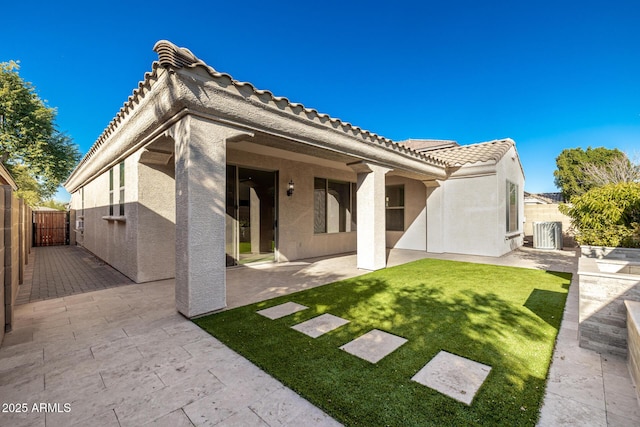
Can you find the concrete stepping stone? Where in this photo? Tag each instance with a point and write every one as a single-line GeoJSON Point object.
{"type": "Point", "coordinates": [374, 345]}
{"type": "Point", "coordinates": [455, 376]}
{"type": "Point", "coordinates": [320, 325]}
{"type": "Point", "coordinates": [281, 310]}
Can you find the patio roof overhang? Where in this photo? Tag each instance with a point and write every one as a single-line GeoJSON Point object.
{"type": "Point", "coordinates": [181, 84]}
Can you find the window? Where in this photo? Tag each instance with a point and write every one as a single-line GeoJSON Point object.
{"type": "Point", "coordinates": [333, 203]}
{"type": "Point", "coordinates": [112, 190]}
{"type": "Point", "coordinates": [394, 203]}
{"type": "Point", "coordinates": [121, 199]}
{"type": "Point", "coordinates": [512, 207]}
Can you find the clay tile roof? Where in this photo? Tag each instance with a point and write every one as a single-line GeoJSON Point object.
{"type": "Point", "coordinates": [170, 55]}
{"type": "Point", "coordinates": [546, 197]}
{"type": "Point", "coordinates": [423, 145]}
{"type": "Point", "coordinates": [473, 153]}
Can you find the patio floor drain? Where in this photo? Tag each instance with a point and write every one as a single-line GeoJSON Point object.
{"type": "Point", "coordinates": [374, 345]}
{"type": "Point", "coordinates": [282, 310]}
{"type": "Point", "coordinates": [320, 325]}
{"type": "Point", "coordinates": [455, 376]}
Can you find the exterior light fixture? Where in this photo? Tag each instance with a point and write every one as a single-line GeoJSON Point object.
{"type": "Point", "coordinates": [290, 189]}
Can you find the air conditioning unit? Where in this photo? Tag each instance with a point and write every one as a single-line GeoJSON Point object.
{"type": "Point", "coordinates": [547, 235]}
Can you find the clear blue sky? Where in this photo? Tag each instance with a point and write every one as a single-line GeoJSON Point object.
{"type": "Point", "coordinates": [549, 74]}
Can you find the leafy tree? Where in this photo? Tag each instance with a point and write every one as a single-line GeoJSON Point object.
{"type": "Point", "coordinates": [28, 187]}
{"type": "Point", "coordinates": [619, 169]}
{"type": "Point", "coordinates": [607, 216]}
{"type": "Point", "coordinates": [570, 175]}
{"type": "Point", "coordinates": [28, 135]}
{"type": "Point", "coordinates": [54, 204]}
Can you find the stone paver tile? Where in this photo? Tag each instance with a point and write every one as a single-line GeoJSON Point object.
{"type": "Point", "coordinates": [231, 368]}
{"type": "Point", "coordinates": [208, 411]}
{"type": "Point", "coordinates": [182, 327]}
{"type": "Point", "coordinates": [624, 404]}
{"type": "Point", "coordinates": [25, 385]}
{"type": "Point", "coordinates": [21, 336]}
{"type": "Point", "coordinates": [577, 384]}
{"type": "Point", "coordinates": [72, 300]}
{"type": "Point", "coordinates": [374, 345]}
{"type": "Point", "coordinates": [176, 418]}
{"type": "Point", "coordinates": [15, 375]}
{"type": "Point", "coordinates": [286, 408]}
{"type": "Point", "coordinates": [72, 387]}
{"type": "Point", "coordinates": [59, 334]}
{"type": "Point", "coordinates": [114, 348]}
{"type": "Point", "coordinates": [144, 407]}
{"type": "Point", "coordinates": [28, 358]}
{"type": "Point", "coordinates": [141, 377]}
{"type": "Point", "coordinates": [243, 418]}
{"type": "Point", "coordinates": [28, 419]}
{"type": "Point", "coordinates": [457, 377]}
{"type": "Point", "coordinates": [106, 419]}
{"type": "Point", "coordinates": [616, 366]}
{"type": "Point", "coordinates": [251, 386]}
{"type": "Point", "coordinates": [206, 346]}
{"type": "Point", "coordinates": [144, 327]}
{"type": "Point", "coordinates": [50, 324]}
{"type": "Point", "coordinates": [282, 310]}
{"type": "Point", "coordinates": [561, 411]}
{"type": "Point", "coordinates": [93, 401]}
{"type": "Point", "coordinates": [48, 305]}
{"type": "Point", "coordinates": [320, 325]}
{"type": "Point", "coordinates": [178, 369]}
{"type": "Point", "coordinates": [614, 420]}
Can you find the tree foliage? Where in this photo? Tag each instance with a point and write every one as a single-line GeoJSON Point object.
{"type": "Point", "coordinates": [619, 169]}
{"type": "Point", "coordinates": [28, 134]}
{"type": "Point", "coordinates": [607, 215]}
{"type": "Point", "coordinates": [570, 175]}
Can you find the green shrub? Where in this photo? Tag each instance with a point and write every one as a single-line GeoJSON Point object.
{"type": "Point", "coordinates": [607, 216]}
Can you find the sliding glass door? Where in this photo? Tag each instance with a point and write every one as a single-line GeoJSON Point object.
{"type": "Point", "coordinates": [251, 215]}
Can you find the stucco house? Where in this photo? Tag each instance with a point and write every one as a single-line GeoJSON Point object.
{"type": "Point", "coordinates": [199, 172]}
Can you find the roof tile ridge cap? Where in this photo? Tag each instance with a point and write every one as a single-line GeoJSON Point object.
{"type": "Point", "coordinates": [170, 55]}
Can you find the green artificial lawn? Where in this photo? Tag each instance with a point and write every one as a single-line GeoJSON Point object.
{"type": "Point", "coordinates": [504, 317]}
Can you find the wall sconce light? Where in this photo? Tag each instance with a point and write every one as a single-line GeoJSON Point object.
{"type": "Point", "coordinates": [290, 189]}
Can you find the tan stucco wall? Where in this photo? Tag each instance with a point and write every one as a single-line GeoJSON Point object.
{"type": "Point", "coordinates": [296, 238]}
{"type": "Point", "coordinates": [115, 242]}
{"type": "Point", "coordinates": [467, 213]}
{"type": "Point", "coordinates": [509, 168]}
{"type": "Point", "coordinates": [156, 219]}
{"type": "Point", "coordinates": [415, 217]}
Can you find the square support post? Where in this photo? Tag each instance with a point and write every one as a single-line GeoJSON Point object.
{"type": "Point", "coordinates": [200, 178]}
{"type": "Point", "coordinates": [371, 234]}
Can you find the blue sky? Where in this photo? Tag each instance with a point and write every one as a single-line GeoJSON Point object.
{"type": "Point", "coordinates": [550, 75]}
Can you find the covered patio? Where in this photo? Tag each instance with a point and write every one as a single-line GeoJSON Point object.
{"type": "Point", "coordinates": [131, 359]}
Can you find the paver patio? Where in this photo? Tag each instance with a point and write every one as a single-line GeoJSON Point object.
{"type": "Point", "coordinates": [123, 356]}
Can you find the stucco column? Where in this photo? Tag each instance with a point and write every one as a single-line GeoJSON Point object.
{"type": "Point", "coordinates": [435, 216]}
{"type": "Point", "coordinates": [254, 215]}
{"type": "Point", "coordinates": [200, 179]}
{"type": "Point", "coordinates": [371, 233]}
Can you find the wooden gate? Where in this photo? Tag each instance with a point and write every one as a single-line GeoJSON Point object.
{"type": "Point", "coordinates": [50, 228]}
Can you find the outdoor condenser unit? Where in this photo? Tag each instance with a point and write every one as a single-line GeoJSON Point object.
{"type": "Point", "coordinates": [547, 235]}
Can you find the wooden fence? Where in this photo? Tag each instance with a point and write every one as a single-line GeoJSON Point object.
{"type": "Point", "coordinates": [51, 228]}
